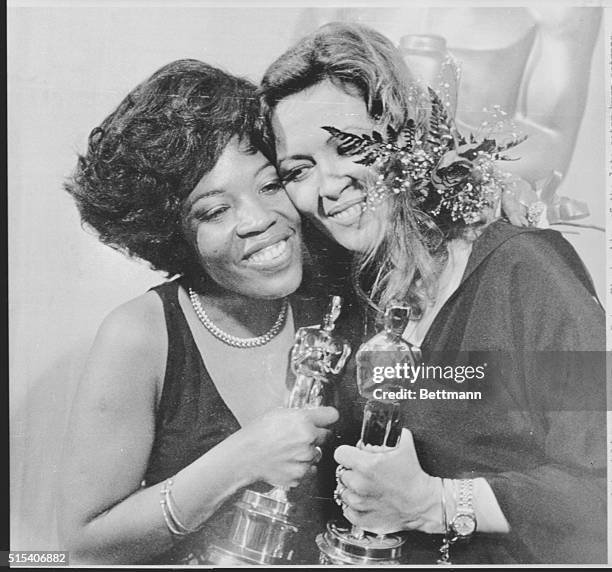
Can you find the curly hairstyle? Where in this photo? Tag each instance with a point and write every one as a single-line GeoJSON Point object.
{"type": "Point", "coordinates": [407, 258]}
{"type": "Point", "coordinates": [149, 154]}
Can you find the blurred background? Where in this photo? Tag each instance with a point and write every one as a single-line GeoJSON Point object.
{"type": "Point", "coordinates": [70, 64]}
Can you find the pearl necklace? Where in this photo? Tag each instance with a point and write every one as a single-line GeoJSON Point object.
{"type": "Point", "coordinates": [235, 341]}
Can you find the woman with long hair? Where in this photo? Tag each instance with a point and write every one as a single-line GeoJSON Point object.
{"type": "Point", "coordinates": [378, 167]}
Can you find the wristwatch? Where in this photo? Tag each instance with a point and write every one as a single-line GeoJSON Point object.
{"type": "Point", "coordinates": [463, 524]}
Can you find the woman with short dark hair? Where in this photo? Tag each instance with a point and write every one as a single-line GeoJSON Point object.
{"type": "Point", "coordinates": [180, 404]}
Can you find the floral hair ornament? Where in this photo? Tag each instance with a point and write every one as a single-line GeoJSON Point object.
{"type": "Point", "coordinates": [450, 178]}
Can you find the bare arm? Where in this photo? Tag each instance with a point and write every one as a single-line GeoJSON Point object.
{"type": "Point", "coordinates": [105, 515]}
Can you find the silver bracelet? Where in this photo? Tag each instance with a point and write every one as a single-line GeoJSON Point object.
{"type": "Point", "coordinates": [169, 524]}
{"type": "Point", "coordinates": [444, 550]}
{"type": "Point", "coordinates": [169, 512]}
{"type": "Point", "coordinates": [444, 513]}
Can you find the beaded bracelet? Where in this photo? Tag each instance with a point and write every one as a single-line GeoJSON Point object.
{"type": "Point", "coordinates": [174, 525]}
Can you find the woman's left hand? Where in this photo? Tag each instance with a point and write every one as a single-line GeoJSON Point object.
{"type": "Point", "coordinates": [385, 490]}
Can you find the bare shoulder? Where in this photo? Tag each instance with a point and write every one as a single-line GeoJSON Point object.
{"type": "Point", "coordinates": [131, 344]}
{"type": "Point", "coordinates": [112, 425]}
{"type": "Point", "coordinates": [138, 323]}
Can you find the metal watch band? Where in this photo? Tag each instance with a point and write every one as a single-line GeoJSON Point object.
{"type": "Point", "coordinates": [466, 496]}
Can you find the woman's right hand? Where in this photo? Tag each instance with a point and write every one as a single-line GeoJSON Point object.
{"type": "Point", "coordinates": [280, 446]}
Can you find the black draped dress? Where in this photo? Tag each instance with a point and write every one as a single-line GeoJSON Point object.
{"type": "Point", "coordinates": [192, 418]}
{"type": "Point", "coordinates": [527, 312]}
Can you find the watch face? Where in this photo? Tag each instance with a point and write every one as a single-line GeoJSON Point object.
{"type": "Point", "coordinates": [464, 524]}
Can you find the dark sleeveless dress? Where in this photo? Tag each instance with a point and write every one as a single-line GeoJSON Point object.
{"type": "Point", "coordinates": [192, 418]}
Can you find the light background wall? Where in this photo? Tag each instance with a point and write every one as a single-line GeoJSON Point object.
{"type": "Point", "coordinates": [69, 66]}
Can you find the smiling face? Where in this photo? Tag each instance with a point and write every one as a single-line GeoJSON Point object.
{"type": "Point", "coordinates": [244, 228]}
{"type": "Point", "coordinates": [325, 186]}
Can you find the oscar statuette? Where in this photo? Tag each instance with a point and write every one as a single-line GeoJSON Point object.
{"type": "Point", "coordinates": [378, 360]}
{"type": "Point", "coordinates": [262, 531]}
